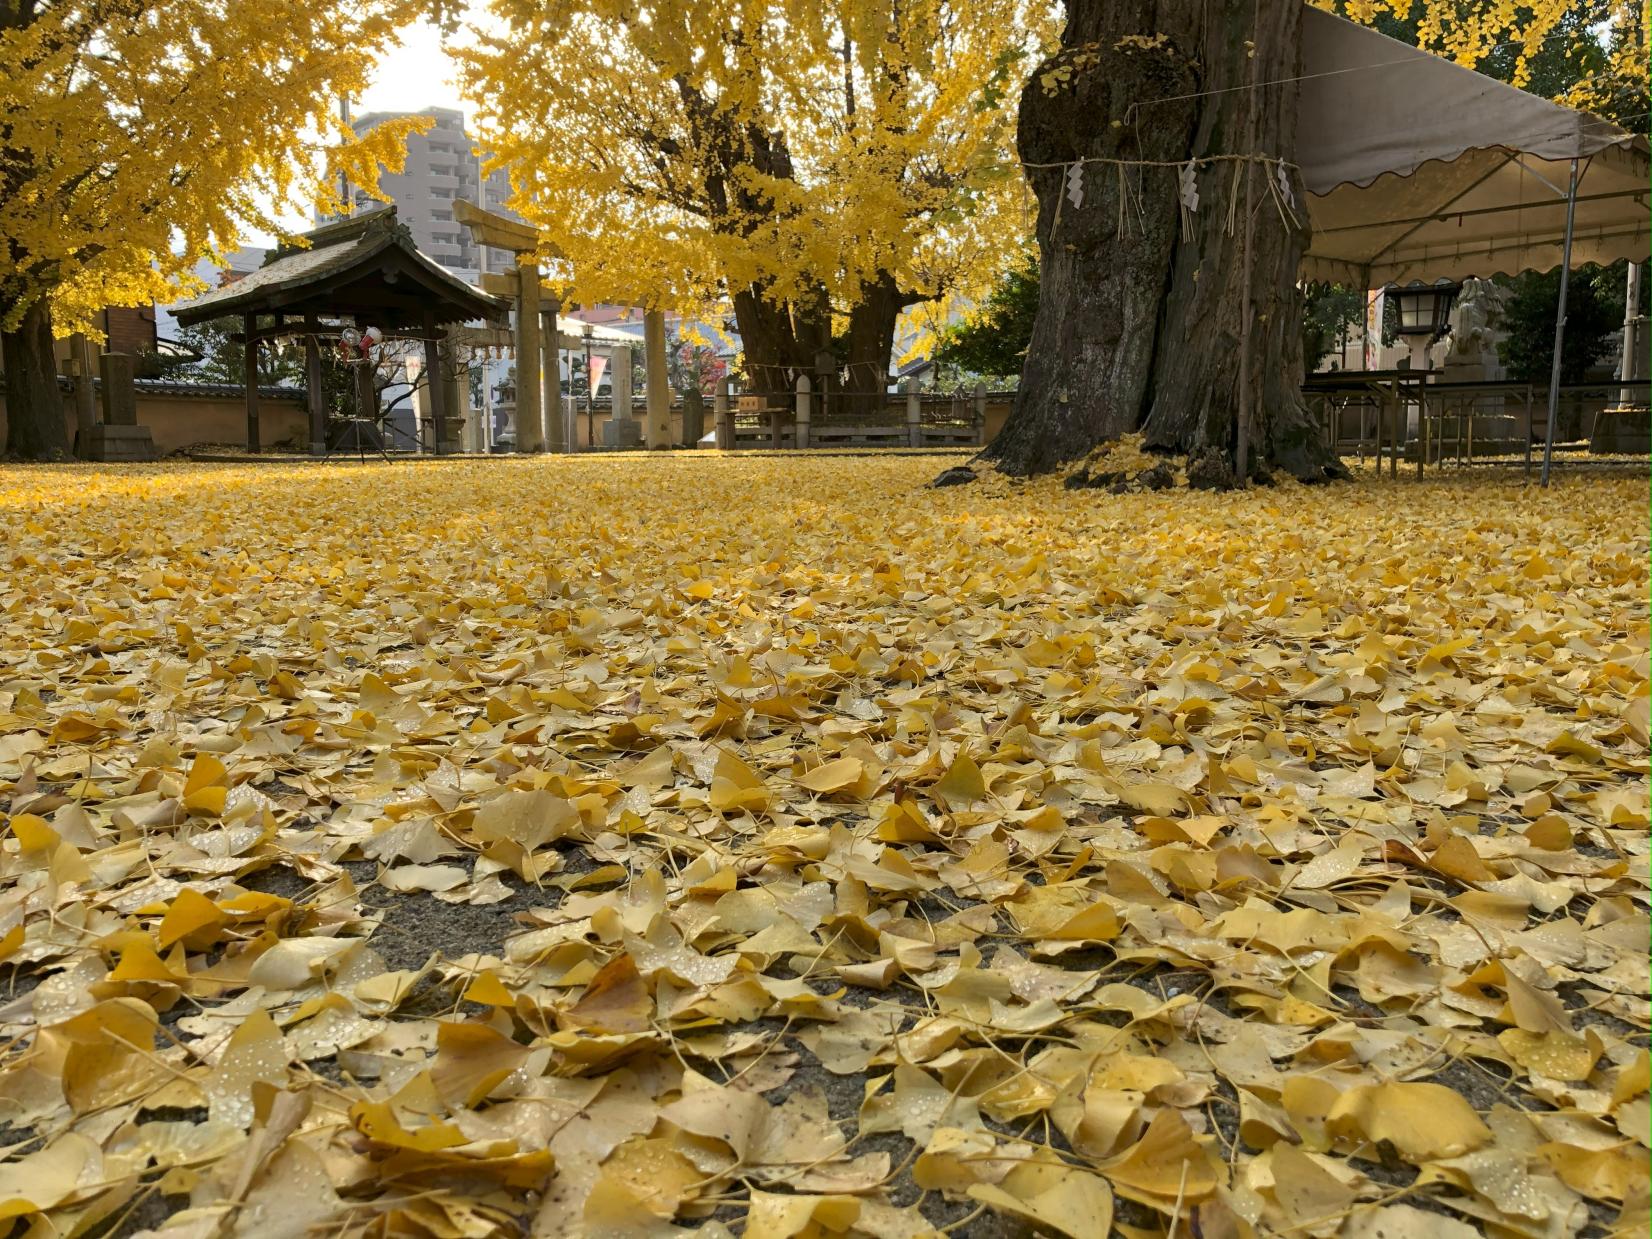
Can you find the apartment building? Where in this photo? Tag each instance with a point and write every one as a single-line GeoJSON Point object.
{"type": "Point", "coordinates": [442, 166]}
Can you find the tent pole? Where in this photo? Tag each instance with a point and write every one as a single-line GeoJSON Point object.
{"type": "Point", "coordinates": [1629, 367]}
{"type": "Point", "coordinates": [1560, 325]}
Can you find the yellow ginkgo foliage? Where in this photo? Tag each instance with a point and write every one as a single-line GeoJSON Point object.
{"type": "Point", "coordinates": [804, 160]}
{"type": "Point", "coordinates": [1470, 31]}
{"type": "Point", "coordinates": [137, 138]}
{"type": "Point", "coordinates": [964, 860]}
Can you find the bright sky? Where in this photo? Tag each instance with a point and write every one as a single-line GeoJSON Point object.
{"type": "Point", "coordinates": [418, 74]}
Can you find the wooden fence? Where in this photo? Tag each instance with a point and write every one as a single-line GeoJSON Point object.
{"type": "Point", "coordinates": [805, 418]}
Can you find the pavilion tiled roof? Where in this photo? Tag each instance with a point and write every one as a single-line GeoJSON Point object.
{"type": "Point", "coordinates": [365, 266]}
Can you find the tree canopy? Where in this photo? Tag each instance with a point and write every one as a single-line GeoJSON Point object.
{"type": "Point", "coordinates": [139, 138]}
{"type": "Point", "coordinates": [802, 158]}
{"type": "Point", "coordinates": [1594, 310]}
{"type": "Point", "coordinates": [993, 339]}
{"type": "Point", "coordinates": [136, 139]}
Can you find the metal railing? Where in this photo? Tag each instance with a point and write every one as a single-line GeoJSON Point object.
{"type": "Point", "coordinates": [1393, 416]}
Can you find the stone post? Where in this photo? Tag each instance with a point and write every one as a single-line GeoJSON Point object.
{"type": "Point", "coordinates": [914, 415]}
{"type": "Point", "coordinates": [803, 389]}
{"type": "Point", "coordinates": [119, 437]}
{"type": "Point", "coordinates": [622, 429]}
{"type": "Point", "coordinates": [723, 416]}
{"type": "Point", "coordinates": [556, 424]}
{"type": "Point", "coordinates": [619, 380]}
{"type": "Point", "coordinates": [530, 426]}
{"type": "Point", "coordinates": [86, 400]}
{"type": "Point", "coordinates": [980, 414]}
{"type": "Point", "coordinates": [657, 431]}
{"type": "Point", "coordinates": [120, 397]}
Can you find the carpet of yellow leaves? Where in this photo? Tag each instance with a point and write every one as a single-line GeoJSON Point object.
{"type": "Point", "coordinates": [778, 847]}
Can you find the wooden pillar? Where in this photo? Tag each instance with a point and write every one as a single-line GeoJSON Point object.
{"type": "Point", "coordinates": [314, 395]}
{"type": "Point", "coordinates": [249, 359]}
{"type": "Point", "coordinates": [556, 422]}
{"type": "Point", "coordinates": [722, 417]}
{"type": "Point", "coordinates": [914, 415]}
{"type": "Point", "coordinates": [803, 410]}
{"type": "Point", "coordinates": [367, 396]}
{"type": "Point", "coordinates": [454, 398]}
{"type": "Point", "coordinates": [980, 412]}
{"type": "Point", "coordinates": [435, 387]}
{"type": "Point", "coordinates": [657, 432]}
{"type": "Point", "coordinates": [530, 426]}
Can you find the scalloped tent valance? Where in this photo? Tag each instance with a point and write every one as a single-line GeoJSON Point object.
{"type": "Point", "coordinates": [1418, 168]}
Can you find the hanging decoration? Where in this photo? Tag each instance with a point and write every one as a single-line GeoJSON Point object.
{"type": "Point", "coordinates": [1284, 179]}
{"type": "Point", "coordinates": [1187, 179]}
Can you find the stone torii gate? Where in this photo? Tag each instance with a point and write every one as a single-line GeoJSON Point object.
{"type": "Point", "coordinates": [538, 368]}
{"type": "Point", "coordinates": [530, 300]}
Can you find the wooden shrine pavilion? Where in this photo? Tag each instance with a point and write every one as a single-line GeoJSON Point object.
{"type": "Point", "coordinates": [365, 272]}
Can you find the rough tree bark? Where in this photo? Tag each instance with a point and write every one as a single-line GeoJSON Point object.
{"type": "Point", "coordinates": [1140, 306]}
{"type": "Point", "coordinates": [34, 407]}
{"type": "Point", "coordinates": [779, 339]}
{"type": "Point", "coordinates": [782, 338]}
{"type": "Point", "coordinates": [867, 346]}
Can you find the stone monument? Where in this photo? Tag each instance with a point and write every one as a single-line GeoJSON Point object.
{"type": "Point", "coordinates": [119, 437]}
{"type": "Point", "coordinates": [1475, 330]}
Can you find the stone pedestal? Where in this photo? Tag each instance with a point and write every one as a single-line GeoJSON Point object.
{"type": "Point", "coordinates": [622, 432]}
{"type": "Point", "coordinates": [119, 437]}
{"type": "Point", "coordinates": [1626, 431]}
{"type": "Point", "coordinates": [113, 444]}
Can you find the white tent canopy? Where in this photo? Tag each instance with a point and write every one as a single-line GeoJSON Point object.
{"type": "Point", "coordinates": [1420, 169]}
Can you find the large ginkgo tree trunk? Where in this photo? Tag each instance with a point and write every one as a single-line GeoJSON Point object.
{"type": "Point", "coordinates": [1144, 246]}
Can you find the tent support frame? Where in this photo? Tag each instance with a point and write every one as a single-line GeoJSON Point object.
{"type": "Point", "coordinates": [1560, 326]}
